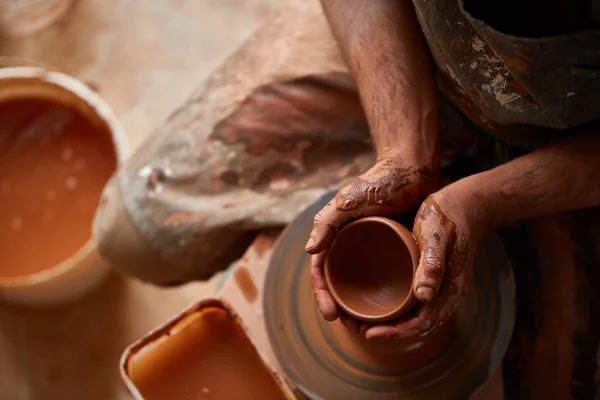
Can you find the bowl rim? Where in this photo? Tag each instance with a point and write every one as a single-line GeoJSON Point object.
{"type": "Point", "coordinates": [409, 301]}
{"type": "Point", "coordinates": [121, 147]}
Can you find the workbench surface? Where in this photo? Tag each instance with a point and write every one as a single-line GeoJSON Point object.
{"type": "Point", "coordinates": [144, 58]}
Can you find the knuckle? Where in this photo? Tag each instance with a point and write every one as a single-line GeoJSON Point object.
{"type": "Point", "coordinates": [395, 334]}
{"type": "Point", "coordinates": [327, 219]}
{"type": "Point", "coordinates": [316, 273]}
{"type": "Point", "coordinates": [316, 281]}
{"type": "Point", "coordinates": [434, 268]}
{"type": "Point", "coordinates": [425, 212]}
{"type": "Point", "coordinates": [317, 261]}
{"type": "Point", "coordinates": [319, 218]}
{"type": "Point", "coordinates": [436, 237]}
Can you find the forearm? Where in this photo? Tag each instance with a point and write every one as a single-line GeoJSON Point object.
{"type": "Point", "coordinates": [563, 176]}
{"type": "Point", "coordinates": [383, 45]}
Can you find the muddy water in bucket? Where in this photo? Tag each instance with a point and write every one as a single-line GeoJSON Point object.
{"type": "Point", "coordinates": [206, 355]}
{"type": "Point", "coordinates": [53, 165]}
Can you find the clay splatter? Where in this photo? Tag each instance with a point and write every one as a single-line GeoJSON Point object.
{"type": "Point", "coordinates": [244, 281]}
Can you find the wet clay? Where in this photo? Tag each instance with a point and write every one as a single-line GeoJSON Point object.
{"type": "Point", "coordinates": [431, 207]}
{"type": "Point", "coordinates": [369, 268]}
{"type": "Point", "coordinates": [392, 356]}
{"type": "Point", "coordinates": [245, 283]}
{"type": "Point", "coordinates": [358, 192]}
{"type": "Point", "coordinates": [205, 356]}
{"type": "Point", "coordinates": [432, 219]}
{"type": "Point", "coordinates": [460, 246]}
{"type": "Point", "coordinates": [54, 164]}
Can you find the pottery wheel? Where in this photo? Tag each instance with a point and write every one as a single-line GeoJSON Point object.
{"type": "Point", "coordinates": [311, 353]}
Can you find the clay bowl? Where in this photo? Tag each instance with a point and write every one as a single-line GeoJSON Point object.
{"type": "Point", "coordinates": [83, 270]}
{"type": "Point", "coordinates": [369, 269]}
{"type": "Point", "coordinates": [324, 360]}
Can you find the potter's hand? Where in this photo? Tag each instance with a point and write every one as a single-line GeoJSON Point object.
{"type": "Point", "coordinates": [388, 188]}
{"type": "Point", "coordinates": [447, 228]}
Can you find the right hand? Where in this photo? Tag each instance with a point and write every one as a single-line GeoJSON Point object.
{"type": "Point", "coordinates": [388, 188]}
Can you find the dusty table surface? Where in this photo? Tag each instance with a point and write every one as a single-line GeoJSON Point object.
{"type": "Point", "coordinates": [144, 58]}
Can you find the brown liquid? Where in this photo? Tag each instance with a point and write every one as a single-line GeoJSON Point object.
{"type": "Point", "coordinates": [207, 356]}
{"type": "Point", "coordinates": [54, 164]}
{"type": "Point", "coordinates": [371, 268]}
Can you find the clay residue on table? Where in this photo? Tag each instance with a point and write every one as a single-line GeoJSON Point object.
{"type": "Point", "coordinates": [244, 281]}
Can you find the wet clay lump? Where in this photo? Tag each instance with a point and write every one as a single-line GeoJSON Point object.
{"type": "Point", "coordinates": [370, 268]}
{"type": "Point", "coordinates": [54, 164]}
{"type": "Point", "coordinates": [207, 355]}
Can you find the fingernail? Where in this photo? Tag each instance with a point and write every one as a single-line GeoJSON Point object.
{"type": "Point", "coordinates": [373, 334]}
{"type": "Point", "coordinates": [310, 244]}
{"type": "Point", "coordinates": [425, 293]}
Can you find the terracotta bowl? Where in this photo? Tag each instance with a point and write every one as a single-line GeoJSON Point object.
{"type": "Point", "coordinates": [369, 269]}
{"type": "Point", "coordinates": [84, 270]}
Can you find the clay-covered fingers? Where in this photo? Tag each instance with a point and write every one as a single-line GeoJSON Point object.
{"type": "Point", "coordinates": [324, 300]}
{"type": "Point", "coordinates": [350, 202]}
{"type": "Point", "coordinates": [325, 226]}
{"type": "Point", "coordinates": [409, 326]}
{"type": "Point", "coordinates": [436, 238]}
{"type": "Point", "coordinates": [352, 324]}
{"type": "Point", "coordinates": [427, 318]}
{"type": "Point", "coordinates": [388, 188]}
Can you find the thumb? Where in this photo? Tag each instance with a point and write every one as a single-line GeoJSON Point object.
{"type": "Point", "coordinates": [325, 226]}
{"type": "Point", "coordinates": [434, 243]}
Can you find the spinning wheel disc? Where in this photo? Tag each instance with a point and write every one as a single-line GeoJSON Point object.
{"type": "Point", "coordinates": [313, 353]}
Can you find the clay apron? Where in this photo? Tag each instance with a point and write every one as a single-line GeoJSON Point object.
{"type": "Point", "coordinates": [526, 90]}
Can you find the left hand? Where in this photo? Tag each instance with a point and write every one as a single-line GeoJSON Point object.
{"type": "Point", "coordinates": [448, 228]}
{"type": "Point", "coordinates": [390, 187]}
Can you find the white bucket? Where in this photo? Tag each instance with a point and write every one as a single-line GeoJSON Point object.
{"type": "Point", "coordinates": [84, 270]}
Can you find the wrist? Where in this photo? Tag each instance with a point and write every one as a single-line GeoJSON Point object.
{"type": "Point", "coordinates": [463, 200]}
{"type": "Point", "coordinates": [426, 170]}
{"type": "Point", "coordinates": [415, 157]}
{"type": "Point", "coordinates": [412, 138]}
